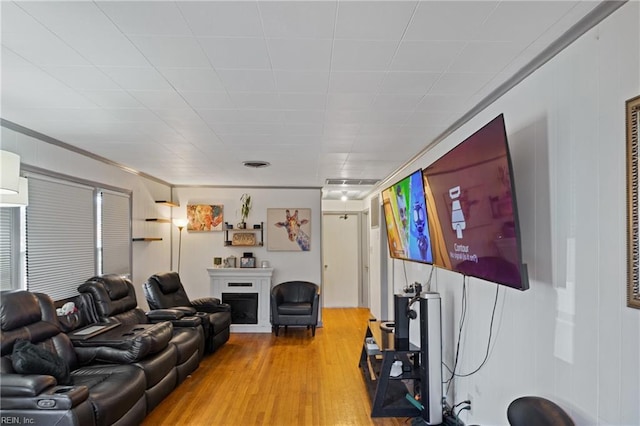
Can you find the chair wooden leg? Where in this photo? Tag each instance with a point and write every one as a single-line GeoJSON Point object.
{"type": "Point", "coordinates": [286, 327]}
{"type": "Point", "coordinates": [313, 330]}
{"type": "Point", "coordinates": [276, 328]}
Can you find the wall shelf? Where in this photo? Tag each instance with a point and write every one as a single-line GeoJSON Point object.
{"type": "Point", "coordinates": [239, 237]}
{"type": "Point", "coordinates": [147, 239]}
{"type": "Point", "coordinates": [167, 203]}
{"type": "Point", "coordinates": [158, 219]}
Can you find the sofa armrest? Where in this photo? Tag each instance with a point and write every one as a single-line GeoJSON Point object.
{"type": "Point", "coordinates": [210, 305]}
{"type": "Point", "coordinates": [188, 310]}
{"type": "Point", "coordinates": [190, 321]}
{"type": "Point", "coordinates": [39, 392]}
{"type": "Point", "coordinates": [25, 384]}
{"type": "Point", "coordinates": [158, 315]}
{"type": "Point", "coordinates": [127, 344]}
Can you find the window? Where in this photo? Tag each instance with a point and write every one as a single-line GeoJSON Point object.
{"type": "Point", "coordinates": [10, 259]}
{"type": "Point", "coordinates": [61, 237]}
{"type": "Point", "coordinates": [114, 233]}
{"type": "Point", "coordinates": [74, 230]}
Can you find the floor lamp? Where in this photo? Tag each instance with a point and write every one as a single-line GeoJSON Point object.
{"type": "Point", "coordinates": [180, 223]}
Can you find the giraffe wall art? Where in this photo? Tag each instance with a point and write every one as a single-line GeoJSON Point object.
{"type": "Point", "coordinates": [289, 229]}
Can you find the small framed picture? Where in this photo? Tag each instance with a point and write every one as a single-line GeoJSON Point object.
{"type": "Point", "coordinates": [247, 262]}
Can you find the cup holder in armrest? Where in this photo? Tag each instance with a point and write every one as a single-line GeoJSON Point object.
{"type": "Point", "coordinates": [128, 334]}
{"type": "Point", "coordinates": [65, 389]}
{"type": "Point", "coordinates": [138, 329]}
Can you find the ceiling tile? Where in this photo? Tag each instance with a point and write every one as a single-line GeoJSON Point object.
{"type": "Point", "coordinates": [460, 83]}
{"type": "Point", "coordinates": [240, 116]}
{"type": "Point", "coordinates": [43, 51]}
{"type": "Point", "coordinates": [236, 52]}
{"type": "Point", "coordinates": [200, 99]}
{"type": "Point", "coordinates": [15, 80]}
{"type": "Point", "coordinates": [218, 82]}
{"type": "Point", "coordinates": [82, 78]}
{"type": "Point", "coordinates": [386, 101]}
{"type": "Point", "coordinates": [159, 99]}
{"type": "Point", "coordinates": [303, 100]}
{"type": "Point", "coordinates": [71, 20]}
{"type": "Point", "coordinates": [448, 20]}
{"type": "Point", "coordinates": [355, 82]}
{"type": "Point", "coordinates": [302, 81]}
{"type": "Point", "coordinates": [446, 103]}
{"type": "Point", "coordinates": [245, 100]}
{"type": "Point", "coordinates": [486, 56]}
{"type": "Point", "coordinates": [247, 80]}
{"type": "Point", "coordinates": [146, 18]}
{"type": "Point", "coordinates": [433, 119]}
{"type": "Point", "coordinates": [286, 19]}
{"type": "Point", "coordinates": [362, 55]}
{"type": "Point", "coordinates": [522, 20]}
{"type": "Point", "coordinates": [166, 51]}
{"type": "Point", "coordinates": [433, 56]}
{"type": "Point", "coordinates": [300, 54]}
{"type": "Point", "coordinates": [417, 83]}
{"type": "Point", "coordinates": [375, 20]}
{"type": "Point", "coordinates": [222, 18]}
{"type": "Point", "coordinates": [137, 78]}
{"type": "Point", "coordinates": [109, 51]}
{"type": "Point", "coordinates": [290, 117]}
{"type": "Point", "coordinates": [192, 79]}
{"type": "Point", "coordinates": [350, 100]}
{"type": "Point", "coordinates": [111, 98]}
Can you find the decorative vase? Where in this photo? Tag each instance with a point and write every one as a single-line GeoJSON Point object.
{"type": "Point", "coordinates": [241, 225]}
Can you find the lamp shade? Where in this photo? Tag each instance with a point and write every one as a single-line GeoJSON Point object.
{"type": "Point", "coordinates": [180, 223]}
{"type": "Point", "coordinates": [19, 199]}
{"type": "Point", "coordinates": [9, 172]}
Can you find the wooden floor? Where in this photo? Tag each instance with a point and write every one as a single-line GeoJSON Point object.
{"type": "Point", "coordinates": [293, 379]}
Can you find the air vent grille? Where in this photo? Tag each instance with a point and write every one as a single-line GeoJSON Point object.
{"type": "Point", "coordinates": [353, 182]}
{"type": "Point", "coordinates": [256, 164]}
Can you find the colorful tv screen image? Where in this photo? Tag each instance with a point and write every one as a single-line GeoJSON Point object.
{"type": "Point", "coordinates": [472, 205]}
{"type": "Point", "coordinates": [405, 213]}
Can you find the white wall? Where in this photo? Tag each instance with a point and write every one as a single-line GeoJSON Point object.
{"type": "Point", "coordinates": [148, 257]}
{"type": "Point", "coordinates": [570, 337]}
{"type": "Point", "coordinates": [199, 248]}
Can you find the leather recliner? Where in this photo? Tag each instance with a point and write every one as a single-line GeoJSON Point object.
{"type": "Point", "coordinates": [295, 303]}
{"type": "Point", "coordinates": [115, 301]}
{"type": "Point", "coordinates": [105, 394]}
{"type": "Point", "coordinates": [165, 290]}
{"type": "Point", "coordinates": [145, 346]}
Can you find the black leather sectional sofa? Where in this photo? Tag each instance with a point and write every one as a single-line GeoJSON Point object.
{"type": "Point", "coordinates": [120, 362]}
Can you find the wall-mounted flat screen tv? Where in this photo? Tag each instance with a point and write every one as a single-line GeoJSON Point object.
{"type": "Point", "coordinates": [405, 214]}
{"type": "Point", "coordinates": [472, 208]}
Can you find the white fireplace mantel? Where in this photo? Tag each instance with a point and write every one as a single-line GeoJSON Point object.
{"type": "Point", "coordinates": [245, 280]}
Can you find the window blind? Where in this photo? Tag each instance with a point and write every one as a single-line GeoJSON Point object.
{"type": "Point", "coordinates": [61, 237]}
{"type": "Point", "coordinates": [9, 248]}
{"type": "Point", "coordinates": [116, 233]}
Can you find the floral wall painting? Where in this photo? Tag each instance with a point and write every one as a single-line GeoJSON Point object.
{"type": "Point", "coordinates": [204, 217]}
{"type": "Point", "coordinates": [289, 229]}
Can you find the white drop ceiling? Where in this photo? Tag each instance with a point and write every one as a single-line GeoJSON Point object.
{"type": "Point", "coordinates": [187, 91]}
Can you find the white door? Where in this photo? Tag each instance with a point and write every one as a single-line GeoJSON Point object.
{"type": "Point", "coordinates": [340, 246]}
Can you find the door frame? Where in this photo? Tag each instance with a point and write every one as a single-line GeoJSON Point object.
{"type": "Point", "coordinates": [358, 216]}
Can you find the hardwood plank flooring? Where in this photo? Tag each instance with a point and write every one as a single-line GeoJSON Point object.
{"type": "Point", "coordinates": [292, 379]}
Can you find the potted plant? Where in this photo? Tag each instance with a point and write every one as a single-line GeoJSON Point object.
{"type": "Point", "coordinates": [245, 208]}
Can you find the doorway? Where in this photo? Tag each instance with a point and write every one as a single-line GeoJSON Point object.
{"type": "Point", "coordinates": [341, 256]}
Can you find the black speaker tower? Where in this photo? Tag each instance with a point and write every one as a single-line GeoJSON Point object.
{"type": "Point", "coordinates": [401, 319]}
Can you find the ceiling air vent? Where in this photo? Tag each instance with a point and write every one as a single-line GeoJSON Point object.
{"type": "Point", "coordinates": [256, 164]}
{"type": "Point", "coordinates": [353, 182]}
